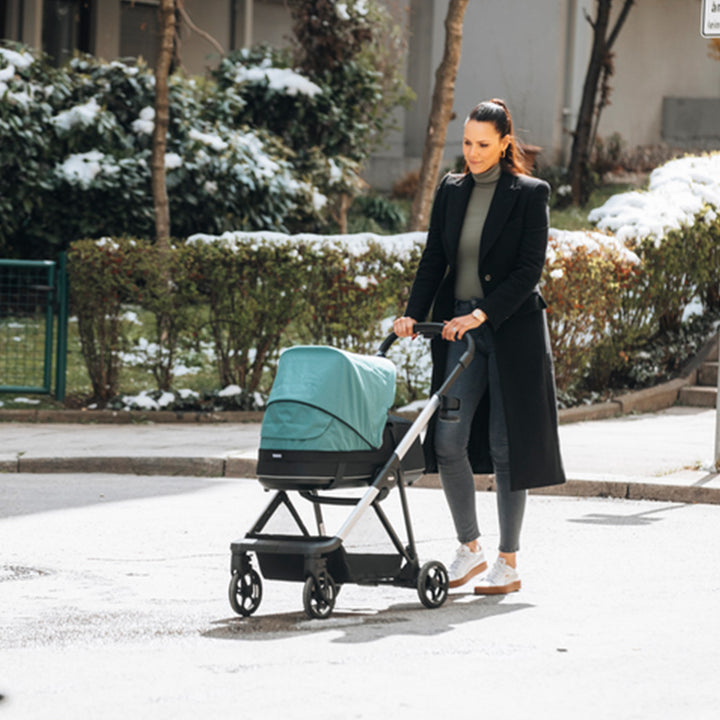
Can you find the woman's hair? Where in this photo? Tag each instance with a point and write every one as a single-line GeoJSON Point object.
{"type": "Point", "coordinates": [496, 112]}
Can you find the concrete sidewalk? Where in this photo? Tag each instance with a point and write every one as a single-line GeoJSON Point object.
{"type": "Point", "coordinates": [666, 455]}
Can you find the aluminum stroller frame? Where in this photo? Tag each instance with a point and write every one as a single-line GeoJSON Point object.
{"type": "Point", "coordinates": [321, 562]}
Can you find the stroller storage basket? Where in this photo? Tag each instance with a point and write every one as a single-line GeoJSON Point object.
{"type": "Point", "coordinates": [316, 470]}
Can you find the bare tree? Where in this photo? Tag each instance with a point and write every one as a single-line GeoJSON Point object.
{"type": "Point", "coordinates": [440, 114]}
{"type": "Point", "coordinates": [595, 95]}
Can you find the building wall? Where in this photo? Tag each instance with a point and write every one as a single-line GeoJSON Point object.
{"type": "Point", "coordinates": [524, 53]}
{"type": "Point", "coordinates": [659, 53]}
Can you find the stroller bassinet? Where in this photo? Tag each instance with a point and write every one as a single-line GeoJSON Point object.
{"type": "Point", "coordinates": [326, 424]}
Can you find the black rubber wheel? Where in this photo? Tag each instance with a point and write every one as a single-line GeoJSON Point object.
{"type": "Point", "coordinates": [432, 584]}
{"type": "Point", "coordinates": [319, 594]}
{"type": "Point", "coordinates": [245, 592]}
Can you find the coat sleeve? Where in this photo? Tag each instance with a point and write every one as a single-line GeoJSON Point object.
{"type": "Point", "coordinates": [433, 262]}
{"type": "Point", "coordinates": [525, 272]}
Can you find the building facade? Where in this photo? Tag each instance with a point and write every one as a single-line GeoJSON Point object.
{"type": "Point", "coordinates": [666, 87]}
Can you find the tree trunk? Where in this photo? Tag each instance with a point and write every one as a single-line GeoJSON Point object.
{"type": "Point", "coordinates": [162, 365]}
{"type": "Point", "coordinates": [590, 108]}
{"type": "Point", "coordinates": [440, 115]}
{"type": "Point", "coordinates": [162, 120]}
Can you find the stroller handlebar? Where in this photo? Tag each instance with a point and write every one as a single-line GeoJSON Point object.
{"type": "Point", "coordinates": [429, 330]}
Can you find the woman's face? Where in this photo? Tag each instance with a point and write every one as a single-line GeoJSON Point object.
{"type": "Point", "coordinates": [482, 145]}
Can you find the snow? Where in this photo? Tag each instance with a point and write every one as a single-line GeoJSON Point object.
{"type": "Point", "coordinates": [80, 115]}
{"type": "Point", "coordinates": [279, 79]}
{"type": "Point", "coordinates": [677, 193]}
{"type": "Point", "coordinates": [82, 168]}
{"type": "Point", "coordinates": [355, 244]}
{"type": "Point", "coordinates": [213, 141]}
{"type": "Point", "coordinates": [565, 242]}
{"type": "Point", "coordinates": [172, 161]}
{"type": "Point", "coordinates": [145, 124]}
{"type": "Point", "coordinates": [19, 60]}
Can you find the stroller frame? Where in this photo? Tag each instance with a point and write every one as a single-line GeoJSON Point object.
{"type": "Point", "coordinates": [320, 561]}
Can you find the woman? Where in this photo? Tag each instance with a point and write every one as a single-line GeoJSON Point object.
{"type": "Point", "coordinates": [479, 272]}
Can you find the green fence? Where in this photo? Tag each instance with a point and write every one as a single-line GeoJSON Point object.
{"type": "Point", "coordinates": [33, 303]}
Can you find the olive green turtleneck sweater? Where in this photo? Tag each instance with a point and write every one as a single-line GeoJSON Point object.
{"type": "Point", "coordinates": [467, 280]}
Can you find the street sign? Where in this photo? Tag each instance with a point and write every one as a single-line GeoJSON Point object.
{"type": "Point", "coordinates": [710, 26]}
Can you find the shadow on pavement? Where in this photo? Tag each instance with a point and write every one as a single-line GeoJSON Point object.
{"type": "Point", "coordinates": [362, 626]}
{"type": "Point", "coordinates": [25, 494]}
{"type": "Point", "coordinates": [641, 518]}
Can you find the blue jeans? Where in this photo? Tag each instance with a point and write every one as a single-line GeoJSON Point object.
{"type": "Point", "coordinates": [452, 435]}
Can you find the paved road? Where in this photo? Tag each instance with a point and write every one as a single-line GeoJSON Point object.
{"type": "Point", "coordinates": [113, 597]}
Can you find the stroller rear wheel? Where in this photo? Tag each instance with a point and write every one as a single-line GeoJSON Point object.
{"type": "Point", "coordinates": [433, 584]}
{"type": "Point", "coordinates": [245, 592]}
{"type": "Point", "coordinates": [319, 595]}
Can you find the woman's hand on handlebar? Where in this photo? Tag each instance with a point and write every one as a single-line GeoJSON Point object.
{"type": "Point", "coordinates": [455, 329]}
{"type": "Point", "coordinates": [404, 327]}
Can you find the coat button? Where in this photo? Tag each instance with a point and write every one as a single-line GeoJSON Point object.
{"type": "Point", "coordinates": [488, 278]}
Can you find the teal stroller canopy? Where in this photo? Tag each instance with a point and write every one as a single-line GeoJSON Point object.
{"type": "Point", "coordinates": [330, 400]}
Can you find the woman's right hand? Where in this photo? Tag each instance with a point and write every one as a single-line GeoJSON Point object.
{"type": "Point", "coordinates": [403, 326]}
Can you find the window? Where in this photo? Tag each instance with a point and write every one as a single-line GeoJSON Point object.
{"type": "Point", "coordinates": [66, 28]}
{"type": "Point", "coordinates": [139, 29]}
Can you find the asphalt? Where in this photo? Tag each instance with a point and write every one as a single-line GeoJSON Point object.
{"type": "Point", "coordinates": [115, 561]}
{"type": "Point", "coordinates": [663, 455]}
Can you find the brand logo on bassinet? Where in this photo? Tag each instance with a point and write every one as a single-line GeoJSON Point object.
{"type": "Point", "coordinates": [277, 456]}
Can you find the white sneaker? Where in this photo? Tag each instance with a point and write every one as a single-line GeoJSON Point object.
{"type": "Point", "coordinates": [467, 564]}
{"type": "Point", "coordinates": [500, 580]}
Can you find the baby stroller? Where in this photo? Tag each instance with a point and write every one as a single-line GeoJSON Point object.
{"type": "Point", "coordinates": [326, 428]}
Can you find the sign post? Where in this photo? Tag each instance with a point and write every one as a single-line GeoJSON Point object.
{"type": "Point", "coordinates": [710, 24]}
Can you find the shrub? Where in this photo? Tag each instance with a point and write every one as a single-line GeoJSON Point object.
{"type": "Point", "coordinates": [104, 276]}
{"type": "Point", "coordinates": [673, 228]}
{"type": "Point", "coordinates": [76, 144]}
{"type": "Point", "coordinates": [586, 277]}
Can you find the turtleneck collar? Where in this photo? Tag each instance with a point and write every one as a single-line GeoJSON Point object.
{"type": "Point", "coordinates": [489, 177]}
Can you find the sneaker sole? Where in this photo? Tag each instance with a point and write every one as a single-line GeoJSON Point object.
{"type": "Point", "coordinates": [498, 589]}
{"type": "Point", "coordinates": [482, 567]}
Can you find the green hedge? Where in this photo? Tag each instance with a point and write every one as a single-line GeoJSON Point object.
{"type": "Point", "coordinates": [248, 294]}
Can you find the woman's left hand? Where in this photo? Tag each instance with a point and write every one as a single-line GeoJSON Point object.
{"type": "Point", "coordinates": [455, 329]}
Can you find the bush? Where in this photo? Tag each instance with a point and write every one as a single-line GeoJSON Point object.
{"type": "Point", "coordinates": [586, 278]}
{"type": "Point", "coordinates": [104, 276]}
{"type": "Point", "coordinates": [246, 293]}
{"type": "Point", "coordinates": [75, 147]}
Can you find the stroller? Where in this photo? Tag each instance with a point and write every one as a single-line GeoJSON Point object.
{"type": "Point", "coordinates": [326, 427]}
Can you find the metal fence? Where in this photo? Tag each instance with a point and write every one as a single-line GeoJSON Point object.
{"type": "Point", "coordinates": [33, 326]}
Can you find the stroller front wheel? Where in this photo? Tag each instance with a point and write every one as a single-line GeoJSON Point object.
{"type": "Point", "coordinates": [432, 584]}
{"type": "Point", "coordinates": [245, 592]}
{"type": "Point", "coordinates": [319, 595]}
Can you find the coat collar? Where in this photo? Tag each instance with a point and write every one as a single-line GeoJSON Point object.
{"type": "Point", "coordinates": [502, 203]}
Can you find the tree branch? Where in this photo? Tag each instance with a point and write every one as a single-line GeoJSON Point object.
{"type": "Point", "coordinates": [618, 25]}
{"type": "Point", "coordinates": [207, 36]}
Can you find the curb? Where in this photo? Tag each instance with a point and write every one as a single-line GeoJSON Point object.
{"type": "Point", "coordinates": [244, 469]}
{"type": "Point", "coordinates": [651, 399]}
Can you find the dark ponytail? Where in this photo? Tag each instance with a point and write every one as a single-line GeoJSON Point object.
{"type": "Point", "coordinates": [496, 112]}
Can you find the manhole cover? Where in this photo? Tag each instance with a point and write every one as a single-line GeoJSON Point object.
{"type": "Point", "coordinates": [17, 572]}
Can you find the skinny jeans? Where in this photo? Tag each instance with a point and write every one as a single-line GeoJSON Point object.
{"type": "Point", "coordinates": [452, 435]}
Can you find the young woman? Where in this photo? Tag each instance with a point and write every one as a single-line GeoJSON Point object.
{"type": "Point", "coordinates": [479, 272]}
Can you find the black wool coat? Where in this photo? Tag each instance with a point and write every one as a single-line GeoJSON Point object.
{"type": "Point", "coordinates": [510, 262]}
